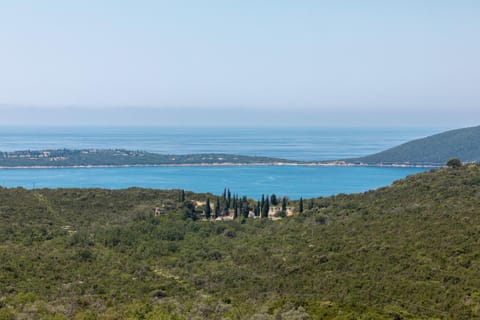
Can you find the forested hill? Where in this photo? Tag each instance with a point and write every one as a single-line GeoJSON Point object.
{"type": "Point", "coordinates": [433, 150]}
{"type": "Point", "coordinates": [118, 157]}
{"type": "Point", "coordinates": [408, 251]}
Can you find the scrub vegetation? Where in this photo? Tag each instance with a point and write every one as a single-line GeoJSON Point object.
{"type": "Point", "coordinates": [408, 251]}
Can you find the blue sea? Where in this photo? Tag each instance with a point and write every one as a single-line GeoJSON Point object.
{"type": "Point", "coordinates": [253, 181]}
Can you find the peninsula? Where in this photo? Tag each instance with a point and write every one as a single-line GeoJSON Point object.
{"type": "Point", "coordinates": [120, 157]}
{"type": "Point", "coordinates": [433, 151]}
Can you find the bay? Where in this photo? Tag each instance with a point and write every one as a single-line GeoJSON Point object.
{"type": "Point", "coordinates": [252, 181]}
{"type": "Point", "coordinates": [290, 143]}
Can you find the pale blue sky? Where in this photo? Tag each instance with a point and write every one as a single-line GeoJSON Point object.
{"type": "Point", "coordinates": [347, 62]}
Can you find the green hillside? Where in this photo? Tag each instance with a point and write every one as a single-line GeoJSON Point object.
{"type": "Point", "coordinates": [433, 150]}
{"type": "Point", "coordinates": [408, 251]}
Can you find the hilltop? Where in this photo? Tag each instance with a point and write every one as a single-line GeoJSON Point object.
{"type": "Point", "coordinates": [120, 157]}
{"type": "Point", "coordinates": [408, 251]}
{"type": "Point", "coordinates": [434, 150]}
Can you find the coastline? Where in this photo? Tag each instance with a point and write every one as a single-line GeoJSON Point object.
{"type": "Point", "coordinates": [232, 164]}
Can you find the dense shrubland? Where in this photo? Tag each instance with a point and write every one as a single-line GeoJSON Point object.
{"type": "Point", "coordinates": [409, 251]}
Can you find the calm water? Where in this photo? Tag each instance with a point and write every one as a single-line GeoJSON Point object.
{"type": "Point", "coordinates": [291, 143]}
{"type": "Point", "coordinates": [294, 181]}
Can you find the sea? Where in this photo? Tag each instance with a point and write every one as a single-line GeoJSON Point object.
{"type": "Point", "coordinates": [290, 143]}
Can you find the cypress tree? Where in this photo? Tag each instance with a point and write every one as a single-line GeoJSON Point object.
{"type": "Point", "coordinates": [273, 199]}
{"type": "Point", "coordinates": [208, 209]}
{"type": "Point", "coordinates": [229, 198]}
{"type": "Point", "coordinates": [262, 203]}
{"type": "Point", "coordinates": [217, 208]}
{"type": "Point", "coordinates": [284, 204]}
{"type": "Point", "coordinates": [246, 209]}
{"type": "Point", "coordinates": [267, 205]}
{"type": "Point", "coordinates": [182, 195]}
{"type": "Point", "coordinates": [266, 208]}
{"type": "Point", "coordinates": [300, 205]}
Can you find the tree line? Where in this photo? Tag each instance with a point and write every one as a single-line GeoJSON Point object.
{"type": "Point", "coordinates": [231, 204]}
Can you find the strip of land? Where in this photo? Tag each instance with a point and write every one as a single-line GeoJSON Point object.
{"type": "Point", "coordinates": [114, 158]}
{"type": "Point", "coordinates": [85, 158]}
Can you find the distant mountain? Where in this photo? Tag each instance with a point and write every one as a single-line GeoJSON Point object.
{"type": "Point", "coordinates": [119, 157]}
{"type": "Point", "coordinates": [434, 150]}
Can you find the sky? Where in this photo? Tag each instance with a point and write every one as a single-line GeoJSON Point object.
{"type": "Point", "coordinates": [249, 62]}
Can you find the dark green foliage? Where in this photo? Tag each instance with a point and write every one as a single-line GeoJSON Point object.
{"type": "Point", "coordinates": [265, 206]}
{"type": "Point", "coordinates": [217, 208]}
{"type": "Point", "coordinates": [188, 210]}
{"type": "Point", "coordinates": [434, 150]}
{"type": "Point", "coordinates": [256, 211]}
{"type": "Point", "coordinates": [229, 198]}
{"type": "Point", "coordinates": [409, 251]}
{"type": "Point", "coordinates": [454, 163]}
{"type": "Point", "coordinates": [208, 209]}
{"type": "Point", "coordinates": [244, 207]}
{"type": "Point", "coordinates": [273, 199]}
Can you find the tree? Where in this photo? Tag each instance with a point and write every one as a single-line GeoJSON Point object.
{"type": "Point", "coordinates": [182, 195]}
{"type": "Point", "coordinates": [235, 213]}
{"type": "Point", "coordinates": [234, 201]}
{"type": "Point", "coordinates": [217, 208]}
{"type": "Point", "coordinates": [284, 204]}
{"type": "Point", "coordinates": [245, 209]}
{"type": "Point", "coordinates": [229, 198]}
{"type": "Point", "coordinates": [273, 199]}
{"type": "Point", "coordinates": [454, 163]}
{"type": "Point", "coordinates": [189, 211]}
{"type": "Point", "coordinates": [266, 208]}
{"type": "Point", "coordinates": [300, 205]}
{"type": "Point", "coordinates": [208, 209]}
{"type": "Point", "coordinates": [256, 211]}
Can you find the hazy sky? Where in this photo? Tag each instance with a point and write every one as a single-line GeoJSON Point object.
{"type": "Point", "coordinates": [144, 62]}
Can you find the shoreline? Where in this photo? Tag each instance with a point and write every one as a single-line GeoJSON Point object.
{"type": "Point", "coordinates": [230, 164]}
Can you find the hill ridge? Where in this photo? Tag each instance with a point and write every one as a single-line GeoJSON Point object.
{"type": "Point", "coordinates": [463, 143]}
{"type": "Point", "coordinates": [406, 251]}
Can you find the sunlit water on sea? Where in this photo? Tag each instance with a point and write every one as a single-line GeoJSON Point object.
{"type": "Point", "coordinates": [294, 181]}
